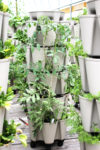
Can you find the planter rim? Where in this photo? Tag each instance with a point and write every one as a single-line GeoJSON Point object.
{"type": "Point", "coordinates": [89, 1]}
{"type": "Point", "coordinates": [50, 123]}
{"type": "Point", "coordinates": [6, 14]}
{"type": "Point", "coordinates": [90, 16]}
{"type": "Point", "coordinates": [5, 60]}
{"type": "Point", "coordinates": [84, 98]}
{"type": "Point", "coordinates": [47, 12]}
{"type": "Point", "coordinates": [92, 59]}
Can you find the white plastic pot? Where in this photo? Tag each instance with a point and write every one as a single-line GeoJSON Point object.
{"type": "Point", "coordinates": [91, 6]}
{"type": "Point", "coordinates": [62, 129]}
{"type": "Point", "coordinates": [93, 75]}
{"type": "Point", "coordinates": [82, 146]}
{"type": "Point", "coordinates": [83, 74]}
{"type": "Point", "coordinates": [30, 77]}
{"type": "Point", "coordinates": [60, 59]}
{"type": "Point", "coordinates": [49, 132]}
{"type": "Point", "coordinates": [50, 38]}
{"type": "Point", "coordinates": [38, 55]}
{"type": "Point", "coordinates": [51, 81]}
{"type": "Point", "coordinates": [1, 19]}
{"type": "Point", "coordinates": [2, 114]}
{"type": "Point", "coordinates": [97, 7]}
{"type": "Point", "coordinates": [98, 108]}
{"type": "Point", "coordinates": [53, 15]}
{"type": "Point", "coordinates": [86, 108]}
{"type": "Point", "coordinates": [6, 147]}
{"type": "Point", "coordinates": [31, 30]}
{"type": "Point", "coordinates": [28, 57]}
{"type": "Point", "coordinates": [92, 146]}
{"type": "Point", "coordinates": [5, 26]}
{"type": "Point", "coordinates": [90, 34]}
{"type": "Point", "coordinates": [4, 71]}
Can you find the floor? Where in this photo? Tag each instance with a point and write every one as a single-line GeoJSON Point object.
{"type": "Point", "coordinates": [71, 142]}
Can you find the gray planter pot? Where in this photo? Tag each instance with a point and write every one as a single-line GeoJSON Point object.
{"type": "Point", "coordinates": [50, 39]}
{"type": "Point", "coordinates": [92, 146]}
{"type": "Point", "coordinates": [4, 71]}
{"type": "Point", "coordinates": [82, 146]}
{"type": "Point", "coordinates": [91, 6]}
{"type": "Point", "coordinates": [83, 74]}
{"type": "Point", "coordinates": [49, 132]}
{"type": "Point", "coordinates": [93, 75]}
{"type": "Point", "coordinates": [51, 81]}
{"type": "Point", "coordinates": [90, 34]}
{"type": "Point", "coordinates": [6, 147]}
{"type": "Point", "coordinates": [89, 114]}
{"type": "Point", "coordinates": [28, 57]}
{"type": "Point", "coordinates": [1, 20]}
{"type": "Point", "coordinates": [38, 55]}
{"type": "Point", "coordinates": [86, 108]}
{"type": "Point", "coordinates": [5, 26]}
{"type": "Point", "coordinates": [98, 108]}
{"type": "Point", "coordinates": [2, 114]}
{"type": "Point", "coordinates": [53, 15]}
{"type": "Point", "coordinates": [62, 129]}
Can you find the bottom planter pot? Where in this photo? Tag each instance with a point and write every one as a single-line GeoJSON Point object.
{"type": "Point", "coordinates": [49, 132]}
{"type": "Point", "coordinates": [58, 129]}
{"type": "Point", "coordinates": [2, 114]}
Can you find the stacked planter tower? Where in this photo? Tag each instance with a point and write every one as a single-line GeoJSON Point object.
{"type": "Point", "coordinates": [90, 70]}
{"type": "Point", "coordinates": [56, 84]}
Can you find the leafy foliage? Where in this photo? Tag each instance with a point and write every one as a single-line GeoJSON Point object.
{"type": "Point", "coordinates": [10, 133]}
{"type": "Point", "coordinates": [6, 98]}
{"type": "Point", "coordinates": [7, 49]}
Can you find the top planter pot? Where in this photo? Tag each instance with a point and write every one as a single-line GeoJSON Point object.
{"type": "Point", "coordinates": [93, 75]}
{"type": "Point", "coordinates": [4, 71]}
{"type": "Point", "coordinates": [1, 19]}
{"type": "Point", "coordinates": [91, 6]}
{"type": "Point", "coordinates": [90, 34]}
{"type": "Point", "coordinates": [5, 26]}
{"type": "Point", "coordinates": [53, 15]}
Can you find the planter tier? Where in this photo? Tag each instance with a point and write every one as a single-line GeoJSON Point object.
{"type": "Point", "coordinates": [86, 146]}
{"type": "Point", "coordinates": [59, 134]}
{"type": "Point", "coordinates": [4, 71]}
{"type": "Point", "coordinates": [2, 114]}
{"type": "Point", "coordinates": [90, 34]}
{"type": "Point", "coordinates": [53, 15]}
{"type": "Point", "coordinates": [1, 20]}
{"type": "Point", "coordinates": [89, 113]}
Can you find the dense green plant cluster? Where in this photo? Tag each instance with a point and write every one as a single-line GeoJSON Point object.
{"type": "Point", "coordinates": [74, 121]}
{"type": "Point", "coordinates": [17, 21]}
{"type": "Point", "coordinates": [7, 49]}
{"type": "Point", "coordinates": [3, 7]}
{"type": "Point", "coordinates": [42, 105]}
{"type": "Point", "coordinates": [73, 82]}
{"type": "Point", "coordinates": [6, 98]}
{"type": "Point", "coordinates": [10, 133]}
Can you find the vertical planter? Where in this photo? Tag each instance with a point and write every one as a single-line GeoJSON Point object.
{"type": "Point", "coordinates": [60, 59]}
{"type": "Point", "coordinates": [51, 81]}
{"type": "Point", "coordinates": [4, 71]}
{"type": "Point", "coordinates": [2, 114]}
{"type": "Point", "coordinates": [62, 129]}
{"type": "Point", "coordinates": [90, 34]}
{"type": "Point", "coordinates": [97, 6]}
{"type": "Point", "coordinates": [93, 75]}
{"type": "Point", "coordinates": [5, 26]}
{"type": "Point", "coordinates": [83, 74]}
{"type": "Point", "coordinates": [49, 132]}
{"type": "Point", "coordinates": [98, 108]}
{"type": "Point", "coordinates": [91, 6]}
{"type": "Point", "coordinates": [1, 19]}
{"type": "Point", "coordinates": [86, 108]}
{"type": "Point", "coordinates": [38, 55]}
